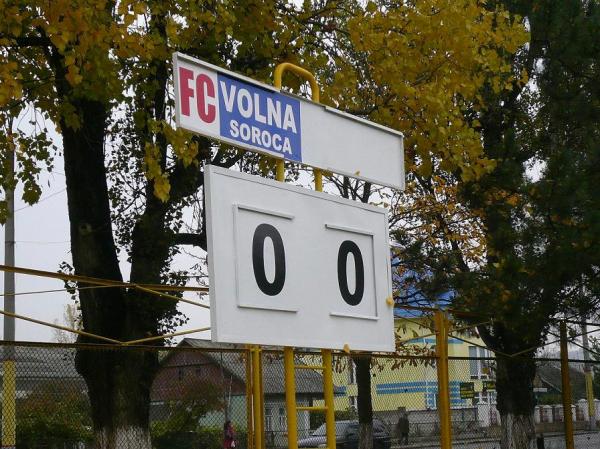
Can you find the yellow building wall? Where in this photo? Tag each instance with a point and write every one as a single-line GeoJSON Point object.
{"type": "Point", "coordinates": [411, 383]}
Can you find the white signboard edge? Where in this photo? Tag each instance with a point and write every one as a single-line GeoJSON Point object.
{"type": "Point", "coordinates": [326, 108]}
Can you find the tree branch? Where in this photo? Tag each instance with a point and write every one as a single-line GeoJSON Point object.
{"type": "Point", "coordinates": [33, 41]}
{"type": "Point", "coordinates": [188, 238]}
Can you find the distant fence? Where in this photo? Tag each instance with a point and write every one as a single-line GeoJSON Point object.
{"type": "Point", "coordinates": [199, 386]}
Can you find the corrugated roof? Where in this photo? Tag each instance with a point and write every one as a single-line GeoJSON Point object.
{"type": "Point", "coordinates": [307, 381]}
{"type": "Point", "coordinates": [44, 363]}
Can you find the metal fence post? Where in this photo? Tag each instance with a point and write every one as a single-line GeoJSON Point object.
{"type": "Point", "coordinates": [443, 403]}
{"type": "Point", "coordinates": [589, 376]}
{"type": "Point", "coordinates": [249, 399]}
{"type": "Point", "coordinates": [566, 387]}
{"type": "Point", "coordinates": [257, 399]}
{"type": "Point", "coordinates": [290, 397]}
{"type": "Point", "coordinates": [328, 394]}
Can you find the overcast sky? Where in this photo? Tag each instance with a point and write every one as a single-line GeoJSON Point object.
{"type": "Point", "coordinates": [42, 242]}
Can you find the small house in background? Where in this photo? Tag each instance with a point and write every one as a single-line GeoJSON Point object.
{"type": "Point", "coordinates": [39, 368]}
{"type": "Point", "coordinates": [203, 366]}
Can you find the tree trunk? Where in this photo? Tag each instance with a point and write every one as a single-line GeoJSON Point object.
{"type": "Point", "coordinates": [516, 402]}
{"type": "Point", "coordinates": [118, 381]}
{"type": "Point", "coordinates": [365, 405]}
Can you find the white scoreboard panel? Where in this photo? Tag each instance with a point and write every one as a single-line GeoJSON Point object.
{"type": "Point", "coordinates": [293, 267]}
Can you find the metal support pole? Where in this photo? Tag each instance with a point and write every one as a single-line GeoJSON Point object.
{"type": "Point", "coordinates": [280, 170]}
{"type": "Point", "coordinates": [328, 396]}
{"type": "Point", "coordinates": [566, 387]}
{"type": "Point", "coordinates": [257, 399]}
{"type": "Point", "coordinates": [589, 390]}
{"type": "Point", "coordinates": [318, 180]}
{"type": "Point", "coordinates": [441, 350]}
{"type": "Point", "coordinates": [249, 399]}
{"type": "Point", "coordinates": [589, 375]}
{"type": "Point", "coordinates": [9, 410]}
{"type": "Point", "coordinates": [261, 399]}
{"type": "Point", "coordinates": [290, 397]}
{"type": "Point", "coordinates": [288, 352]}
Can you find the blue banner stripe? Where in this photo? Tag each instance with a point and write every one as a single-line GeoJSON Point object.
{"type": "Point", "coordinates": [259, 117]}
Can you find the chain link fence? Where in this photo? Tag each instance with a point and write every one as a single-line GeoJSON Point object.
{"type": "Point", "coordinates": [198, 387]}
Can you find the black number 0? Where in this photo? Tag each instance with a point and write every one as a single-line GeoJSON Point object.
{"type": "Point", "coordinates": [258, 259]}
{"type": "Point", "coordinates": [349, 247]}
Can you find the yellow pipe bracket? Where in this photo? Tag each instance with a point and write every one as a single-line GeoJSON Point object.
{"type": "Point", "coordinates": [281, 68]}
{"type": "Point", "coordinates": [316, 97]}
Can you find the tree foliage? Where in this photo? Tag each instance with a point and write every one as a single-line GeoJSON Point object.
{"type": "Point", "coordinates": [185, 413]}
{"type": "Point", "coordinates": [518, 246]}
{"type": "Point", "coordinates": [54, 413]}
{"type": "Point", "coordinates": [98, 72]}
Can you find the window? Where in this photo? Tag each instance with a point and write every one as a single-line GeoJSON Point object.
{"type": "Point", "coordinates": [198, 372]}
{"type": "Point", "coordinates": [282, 418]}
{"type": "Point", "coordinates": [352, 400]}
{"type": "Point", "coordinates": [351, 372]}
{"type": "Point", "coordinates": [485, 397]}
{"type": "Point", "coordinates": [431, 398]}
{"type": "Point", "coordinates": [180, 374]}
{"type": "Point", "coordinates": [479, 369]}
{"type": "Point", "coordinates": [268, 419]}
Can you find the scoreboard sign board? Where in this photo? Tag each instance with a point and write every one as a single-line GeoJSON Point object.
{"type": "Point", "coordinates": [293, 267]}
{"type": "Point", "coordinates": [258, 117]}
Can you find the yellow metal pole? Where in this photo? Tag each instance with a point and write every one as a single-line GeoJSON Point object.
{"type": "Point", "coordinates": [281, 68]}
{"type": "Point", "coordinates": [8, 404]}
{"type": "Point", "coordinates": [9, 409]}
{"type": "Point", "coordinates": [249, 417]}
{"type": "Point", "coordinates": [280, 170]}
{"type": "Point", "coordinates": [290, 397]}
{"type": "Point", "coordinates": [589, 376]}
{"type": "Point", "coordinates": [328, 396]}
{"type": "Point", "coordinates": [566, 387]}
{"type": "Point", "coordinates": [441, 349]}
{"type": "Point", "coordinates": [589, 390]}
{"type": "Point", "coordinates": [318, 180]}
{"type": "Point", "coordinates": [261, 398]}
{"type": "Point", "coordinates": [288, 352]}
{"type": "Point", "coordinates": [256, 398]}
{"type": "Point", "coordinates": [316, 97]}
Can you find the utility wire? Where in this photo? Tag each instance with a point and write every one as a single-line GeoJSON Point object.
{"type": "Point", "coordinates": [41, 200]}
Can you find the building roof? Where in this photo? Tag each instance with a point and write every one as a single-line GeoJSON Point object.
{"type": "Point", "coordinates": [308, 381]}
{"type": "Point", "coordinates": [410, 293]}
{"type": "Point", "coordinates": [43, 363]}
{"type": "Point", "coordinates": [550, 375]}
